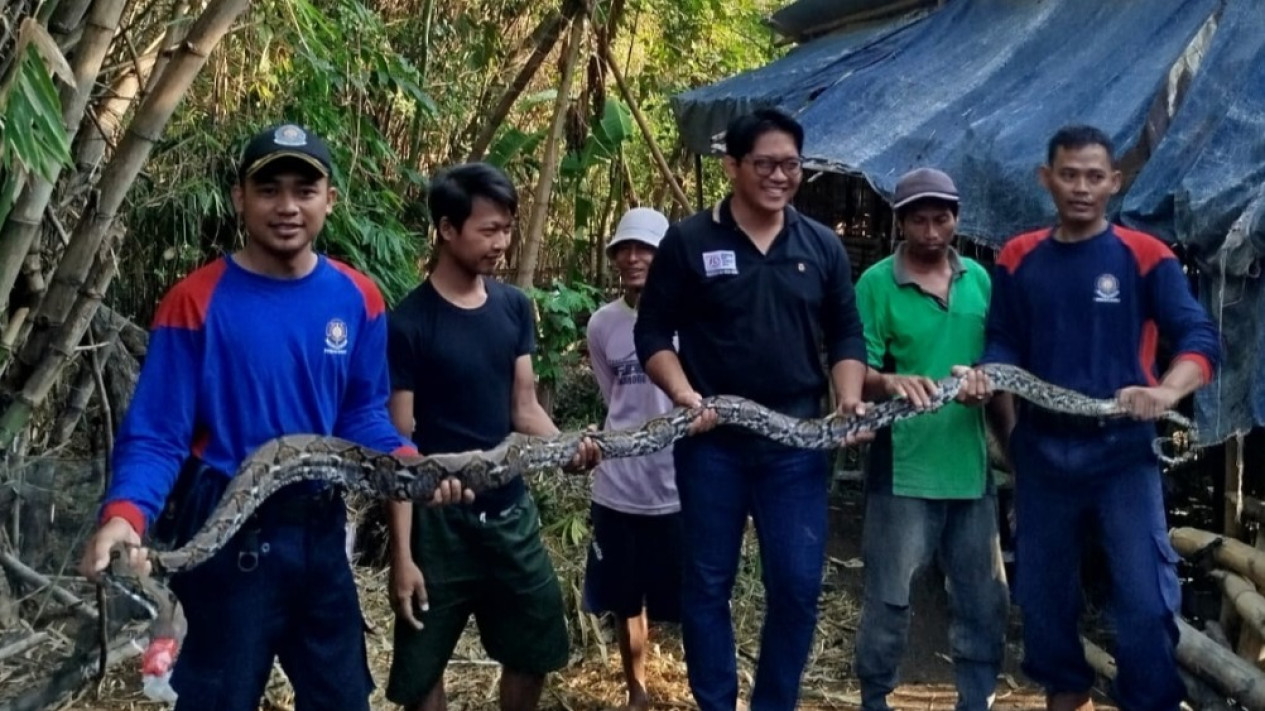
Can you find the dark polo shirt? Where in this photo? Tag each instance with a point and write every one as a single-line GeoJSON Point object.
{"type": "Point", "coordinates": [751, 324]}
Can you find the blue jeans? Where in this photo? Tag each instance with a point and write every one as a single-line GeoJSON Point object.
{"type": "Point", "coordinates": [1058, 506]}
{"type": "Point", "coordinates": [901, 536]}
{"type": "Point", "coordinates": [721, 479]}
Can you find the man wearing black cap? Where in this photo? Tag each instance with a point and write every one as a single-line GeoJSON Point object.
{"type": "Point", "coordinates": [928, 492]}
{"type": "Point", "coordinates": [272, 340]}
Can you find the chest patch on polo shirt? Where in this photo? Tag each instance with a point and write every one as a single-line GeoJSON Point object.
{"type": "Point", "coordinates": [720, 262]}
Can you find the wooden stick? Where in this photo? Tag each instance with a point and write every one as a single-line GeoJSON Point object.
{"type": "Point", "coordinates": [1203, 697]}
{"type": "Point", "coordinates": [659, 160]}
{"type": "Point", "coordinates": [1243, 595]}
{"type": "Point", "coordinates": [54, 688]}
{"type": "Point", "coordinates": [1222, 669]}
{"type": "Point", "coordinates": [62, 595]}
{"type": "Point", "coordinates": [1235, 555]}
{"type": "Point", "coordinates": [22, 645]}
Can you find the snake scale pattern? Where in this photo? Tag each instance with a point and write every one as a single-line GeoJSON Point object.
{"type": "Point", "coordinates": [379, 475]}
{"type": "Point", "coordinates": [294, 458]}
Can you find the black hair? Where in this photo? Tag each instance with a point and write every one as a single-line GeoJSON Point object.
{"type": "Point", "coordinates": [909, 208]}
{"type": "Point", "coordinates": [1079, 136]}
{"type": "Point", "coordinates": [452, 192]}
{"type": "Point", "coordinates": [745, 130]}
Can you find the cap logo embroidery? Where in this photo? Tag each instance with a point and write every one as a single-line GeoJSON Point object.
{"type": "Point", "coordinates": [290, 135]}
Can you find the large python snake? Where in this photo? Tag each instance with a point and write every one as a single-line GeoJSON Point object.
{"type": "Point", "coordinates": [290, 459]}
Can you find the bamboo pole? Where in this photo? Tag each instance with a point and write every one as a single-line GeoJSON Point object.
{"type": "Point", "coordinates": [544, 37]}
{"type": "Point", "coordinates": [1246, 600]}
{"type": "Point", "coordinates": [1235, 555]}
{"type": "Point", "coordinates": [94, 229]}
{"type": "Point", "coordinates": [138, 141]}
{"type": "Point", "coordinates": [677, 192]}
{"type": "Point", "coordinates": [535, 233]}
{"type": "Point", "coordinates": [1228, 674]}
{"type": "Point", "coordinates": [23, 225]}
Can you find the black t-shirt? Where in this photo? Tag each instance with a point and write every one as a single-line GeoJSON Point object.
{"type": "Point", "coordinates": [459, 365]}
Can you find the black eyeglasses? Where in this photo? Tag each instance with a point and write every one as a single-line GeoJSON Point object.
{"type": "Point", "coordinates": [764, 167]}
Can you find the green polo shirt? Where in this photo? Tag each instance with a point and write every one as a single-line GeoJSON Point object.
{"type": "Point", "coordinates": [941, 455]}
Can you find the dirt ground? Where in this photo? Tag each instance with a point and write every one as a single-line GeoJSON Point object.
{"type": "Point", "coordinates": [592, 681]}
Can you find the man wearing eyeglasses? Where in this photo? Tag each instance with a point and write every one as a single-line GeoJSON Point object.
{"type": "Point", "coordinates": [756, 293]}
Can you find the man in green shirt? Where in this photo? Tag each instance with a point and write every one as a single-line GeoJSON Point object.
{"type": "Point", "coordinates": [928, 491]}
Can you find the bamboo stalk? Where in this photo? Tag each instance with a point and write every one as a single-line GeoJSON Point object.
{"type": "Point", "coordinates": [544, 37]}
{"type": "Point", "coordinates": [677, 192]}
{"type": "Point", "coordinates": [535, 233]}
{"type": "Point", "coordinates": [1246, 600]}
{"type": "Point", "coordinates": [1222, 669]}
{"type": "Point", "coordinates": [142, 134]}
{"type": "Point", "coordinates": [1235, 555]}
{"type": "Point", "coordinates": [23, 225]}
{"type": "Point", "coordinates": [24, 573]}
{"type": "Point", "coordinates": [73, 270]}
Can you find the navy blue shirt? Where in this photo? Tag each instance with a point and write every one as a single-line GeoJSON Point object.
{"type": "Point", "coordinates": [751, 324]}
{"type": "Point", "coordinates": [459, 365]}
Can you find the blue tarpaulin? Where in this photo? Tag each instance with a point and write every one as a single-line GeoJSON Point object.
{"type": "Point", "coordinates": [978, 86]}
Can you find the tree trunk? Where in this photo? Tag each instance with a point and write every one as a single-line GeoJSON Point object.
{"type": "Point", "coordinates": [535, 233]}
{"type": "Point", "coordinates": [23, 224]}
{"type": "Point", "coordinates": [544, 37]}
{"type": "Point", "coordinates": [94, 230]}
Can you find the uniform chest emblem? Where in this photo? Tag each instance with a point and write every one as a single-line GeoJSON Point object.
{"type": "Point", "coordinates": [336, 336]}
{"type": "Point", "coordinates": [1107, 289]}
{"type": "Point", "coordinates": [722, 261]}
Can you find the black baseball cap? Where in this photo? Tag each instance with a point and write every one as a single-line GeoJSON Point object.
{"type": "Point", "coordinates": [924, 183]}
{"type": "Point", "coordinates": [285, 141]}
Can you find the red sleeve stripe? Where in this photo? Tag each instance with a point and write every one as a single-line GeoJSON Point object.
{"type": "Point", "coordinates": [1019, 247]}
{"type": "Point", "coordinates": [375, 305]}
{"type": "Point", "coordinates": [1147, 350]}
{"type": "Point", "coordinates": [1201, 360]}
{"type": "Point", "coordinates": [186, 305]}
{"type": "Point", "coordinates": [405, 450]}
{"type": "Point", "coordinates": [127, 511]}
{"type": "Point", "coordinates": [1147, 250]}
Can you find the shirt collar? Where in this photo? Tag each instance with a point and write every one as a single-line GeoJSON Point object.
{"type": "Point", "coordinates": [723, 214]}
{"type": "Point", "coordinates": [904, 278]}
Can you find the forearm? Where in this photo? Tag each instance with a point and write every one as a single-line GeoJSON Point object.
{"type": "Point", "coordinates": [1000, 413]}
{"type": "Point", "coordinates": [1183, 377]}
{"type": "Point", "coordinates": [664, 370]}
{"type": "Point", "coordinates": [875, 387]}
{"type": "Point", "coordinates": [400, 530]}
{"type": "Point", "coordinates": [850, 380]}
{"type": "Point", "coordinates": [531, 419]}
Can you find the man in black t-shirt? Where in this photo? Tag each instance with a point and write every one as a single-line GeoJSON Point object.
{"type": "Point", "coordinates": [460, 350]}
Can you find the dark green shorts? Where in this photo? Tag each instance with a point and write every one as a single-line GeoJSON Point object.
{"type": "Point", "coordinates": [495, 567]}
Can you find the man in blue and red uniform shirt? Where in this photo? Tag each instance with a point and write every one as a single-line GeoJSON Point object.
{"type": "Point", "coordinates": [274, 339]}
{"type": "Point", "coordinates": [1082, 305]}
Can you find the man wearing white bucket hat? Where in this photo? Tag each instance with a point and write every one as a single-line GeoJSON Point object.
{"type": "Point", "coordinates": [634, 564]}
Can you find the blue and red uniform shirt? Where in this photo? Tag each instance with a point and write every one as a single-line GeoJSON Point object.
{"type": "Point", "coordinates": [1089, 315]}
{"type": "Point", "coordinates": [235, 359]}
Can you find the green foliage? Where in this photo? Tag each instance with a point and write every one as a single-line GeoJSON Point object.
{"type": "Point", "coordinates": [561, 311]}
{"type": "Point", "coordinates": [32, 138]}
